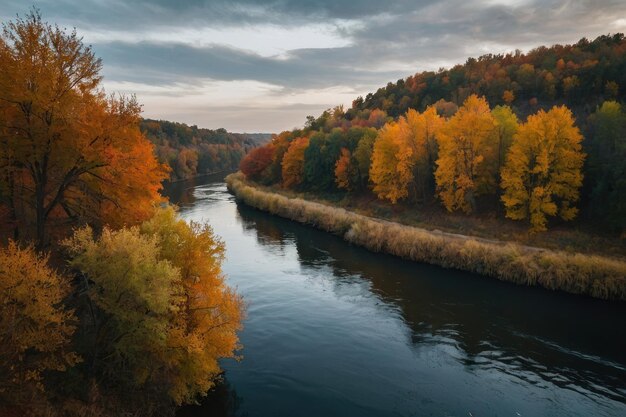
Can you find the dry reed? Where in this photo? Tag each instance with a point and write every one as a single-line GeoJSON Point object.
{"type": "Point", "coordinates": [576, 273]}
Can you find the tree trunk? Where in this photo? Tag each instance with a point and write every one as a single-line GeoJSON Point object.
{"type": "Point", "coordinates": [40, 214]}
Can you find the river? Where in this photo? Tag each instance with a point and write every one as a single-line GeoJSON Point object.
{"type": "Point", "coordinates": [334, 330]}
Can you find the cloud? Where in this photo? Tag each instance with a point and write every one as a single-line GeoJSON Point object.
{"type": "Point", "coordinates": [275, 53]}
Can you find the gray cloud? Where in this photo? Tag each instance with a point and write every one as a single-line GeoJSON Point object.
{"type": "Point", "coordinates": [384, 41]}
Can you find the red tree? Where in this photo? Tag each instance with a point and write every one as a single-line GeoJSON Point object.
{"type": "Point", "coordinates": [256, 161]}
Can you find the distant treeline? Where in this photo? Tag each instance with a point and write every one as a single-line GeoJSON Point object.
{"type": "Point", "coordinates": [190, 150]}
{"type": "Point", "coordinates": [532, 137]}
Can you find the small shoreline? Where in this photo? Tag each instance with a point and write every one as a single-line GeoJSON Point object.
{"type": "Point", "coordinates": [576, 273]}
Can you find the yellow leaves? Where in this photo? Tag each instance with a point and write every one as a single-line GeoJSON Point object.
{"type": "Point", "coordinates": [293, 163]}
{"type": "Point", "coordinates": [542, 174]}
{"type": "Point", "coordinates": [162, 302]}
{"type": "Point", "coordinates": [389, 178]}
{"type": "Point", "coordinates": [35, 330]}
{"type": "Point", "coordinates": [403, 153]}
{"type": "Point", "coordinates": [464, 142]}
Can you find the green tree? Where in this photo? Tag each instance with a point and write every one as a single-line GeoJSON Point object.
{"type": "Point", "coordinates": [606, 165]}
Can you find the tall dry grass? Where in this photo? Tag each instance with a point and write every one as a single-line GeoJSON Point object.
{"type": "Point", "coordinates": [576, 273]}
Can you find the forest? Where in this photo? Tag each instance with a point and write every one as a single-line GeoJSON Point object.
{"type": "Point", "coordinates": [538, 138]}
{"type": "Point", "coordinates": [110, 303]}
{"type": "Point", "coordinates": [191, 151]}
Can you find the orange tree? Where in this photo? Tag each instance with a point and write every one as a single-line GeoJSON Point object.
{"type": "Point", "coordinates": [68, 153]}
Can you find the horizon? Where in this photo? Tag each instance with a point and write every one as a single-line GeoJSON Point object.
{"type": "Point", "coordinates": [263, 66]}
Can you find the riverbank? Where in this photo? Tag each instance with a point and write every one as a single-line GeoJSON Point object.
{"type": "Point", "coordinates": [577, 273]}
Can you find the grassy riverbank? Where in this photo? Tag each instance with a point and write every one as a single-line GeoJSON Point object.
{"type": "Point", "coordinates": [577, 273]}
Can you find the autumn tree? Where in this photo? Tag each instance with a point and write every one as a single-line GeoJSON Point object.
{"type": "Point", "coordinates": [362, 156]}
{"type": "Point", "coordinates": [344, 171]}
{"type": "Point", "coordinates": [70, 153]}
{"type": "Point", "coordinates": [35, 328]}
{"type": "Point", "coordinates": [257, 161]}
{"type": "Point", "coordinates": [464, 142]}
{"type": "Point", "coordinates": [293, 163]}
{"type": "Point", "coordinates": [389, 183]}
{"type": "Point", "coordinates": [506, 125]}
{"type": "Point", "coordinates": [162, 314]}
{"type": "Point", "coordinates": [204, 330]}
{"type": "Point", "coordinates": [423, 129]}
{"type": "Point", "coordinates": [186, 163]}
{"type": "Point", "coordinates": [542, 175]}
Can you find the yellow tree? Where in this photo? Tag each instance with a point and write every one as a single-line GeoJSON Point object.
{"type": "Point", "coordinates": [205, 328]}
{"type": "Point", "coordinates": [164, 315]}
{"type": "Point", "coordinates": [464, 142]}
{"type": "Point", "coordinates": [293, 163]}
{"type": "Point", "coordinates": [75, 155]}
{"type": "Point", "coordinates": [403, 155]}
{"type": "Point", "coordinates": [423, 129]}
{"type": "Point", "coordinates": [542, 175]}
{"type": "Point", "coordinates": [35, 329]}
{"type": "Point", "coordinates": [390, 180]}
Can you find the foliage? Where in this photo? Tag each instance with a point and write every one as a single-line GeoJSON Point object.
{"type": "Point", "coordinates": [606, 165]}
{"type": "Point", "coordinates": [580, 75]}
{"type": "Point", "coordinates": [293, 163]}
{"type": "Point", "coordinates": [190, 150]}
{"type": "Point", "coordinates": [211, 314]}
{"type": "Point", "coordinates": [162, 314]}
{"type": "Point", "coordinates": [256, 163]}
{"type": "Point", "coordinates": [391, 170]}
{"type": "Point", "coordinates": [542, 175]}
{"type": "Point", "coordinates": [68, 153]}
{"type": "Point", "coordinates": [344, 172]}
{"type": "Point", "coordinates": [35, 328]}
{"type": "Point", "coordinates": [464, 143]}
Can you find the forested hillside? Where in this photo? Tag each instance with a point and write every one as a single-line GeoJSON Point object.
{"type": "Point", "coordinates": [580, 76]}
{"type": "Point", "coordinates": [190, 150]}
{"type": "Point", "coordinates": [537, 137]}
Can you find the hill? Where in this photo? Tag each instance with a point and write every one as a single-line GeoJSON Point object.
{"type": "Point", "coordinates": [190, 150]}
{"type": "Point", "coordinates": [580, 76]}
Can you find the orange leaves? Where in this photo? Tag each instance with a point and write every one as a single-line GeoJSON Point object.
{"type": "Point", "coordinates": [342, 170]}
{"type": "Point", "coordinates": [82, 152]}
{"type": "Point", "coordinates": [293, 163]}
{"type": "Point", "coordinates": [542, 175]}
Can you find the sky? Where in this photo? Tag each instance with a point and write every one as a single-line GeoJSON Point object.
{"type": "Point", "coordinates": [263, 66]}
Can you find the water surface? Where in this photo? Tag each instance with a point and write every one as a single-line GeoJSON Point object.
{"type": "Point", "coordinates": [334, 330]}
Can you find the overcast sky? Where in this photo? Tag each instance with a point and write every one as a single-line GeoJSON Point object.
{"type": "Point", "coordinates": [263, 66]}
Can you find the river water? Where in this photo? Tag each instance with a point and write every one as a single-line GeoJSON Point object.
{"type": "Point", "coordinates": [334, 330]}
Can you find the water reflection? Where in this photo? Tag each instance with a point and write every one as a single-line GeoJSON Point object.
{"type": "Point", "coordinates": [334, 330]}
{"type": "Point", "coordinates": [539, 337]}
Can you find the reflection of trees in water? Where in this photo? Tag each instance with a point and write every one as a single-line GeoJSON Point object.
{"type": "Point", "coordinates": [264, 227]}
{"type": "Point", "coordinates": [221, 401]}
{"type": "Point", "coordinates": [530, 333]}
{"type": "Point", "coordinates": [180, 193]}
